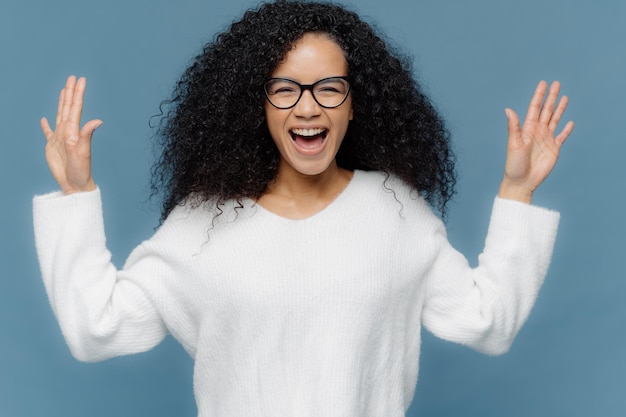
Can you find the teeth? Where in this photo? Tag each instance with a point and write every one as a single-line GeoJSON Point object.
{"type": "Point", "coordinates": [308, 132]}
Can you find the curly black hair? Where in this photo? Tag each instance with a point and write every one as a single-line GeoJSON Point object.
{"type": "Point", "coordinates": [215, 142]}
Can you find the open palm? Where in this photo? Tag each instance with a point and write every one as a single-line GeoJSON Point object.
{"type": "Point", "coordinates": [68, 148]}
{"type": "Point", "coordinates": [533, 149]}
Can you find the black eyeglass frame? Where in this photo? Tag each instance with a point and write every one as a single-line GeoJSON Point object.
{"type": "Point", "coordinates": [304, 87]}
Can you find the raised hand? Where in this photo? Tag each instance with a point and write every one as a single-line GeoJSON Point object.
{"type": "Point", "coordinates": [68, 148]}
{"type": "Point", "coordinates": [533, 149]}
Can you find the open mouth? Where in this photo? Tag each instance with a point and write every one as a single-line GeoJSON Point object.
{"type": "Point", "coordinates": [308, 138]}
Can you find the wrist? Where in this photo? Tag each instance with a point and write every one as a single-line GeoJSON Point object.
{"type": "Point", "coordinates": [516, 192]}
{"type": "Point", "coordinates": [89, 186]}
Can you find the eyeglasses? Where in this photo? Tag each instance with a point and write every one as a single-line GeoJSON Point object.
{"type": "Point", "coordinates": [329, 92]}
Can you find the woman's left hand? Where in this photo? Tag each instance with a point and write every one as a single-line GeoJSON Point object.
{"type": "Point", "coordinates": [533, 149]}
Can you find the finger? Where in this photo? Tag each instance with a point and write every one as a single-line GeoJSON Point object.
{"type": "Point", "coordinates": [45, 127]}
{"type": "Point", "coordinates": [558, 113]}
{"type": "Point", "coordinates": [513, 126]}
{"type": "Point", "coordinates": [560, 139]}
{"type": "Point", "coordinates": [548, 106]}
{"type": "Point", "coordinates": [86, 134]}
{"type": "Point", "coordinates": [60, 107]}
{"type": "Point", "coordinates": [534, 108]}
{"type": "Point", "coordinates": [76, 108]}
{"type": "Point", "coordinates": [87, 131]}
{"type": "Point", "coordinates": [67, 98]}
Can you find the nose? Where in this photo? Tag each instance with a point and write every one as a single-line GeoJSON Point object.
{"type": "Point", "coordinates": [307, 106]}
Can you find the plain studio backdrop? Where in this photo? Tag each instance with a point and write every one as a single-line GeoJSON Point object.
{"type": "Point", "coordinates": [473, 59]}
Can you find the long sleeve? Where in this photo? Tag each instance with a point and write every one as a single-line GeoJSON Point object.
{"type": "Point", "coordinates": [312, 317]}
{"type": "Point", "coordinates": [485, 307]}
{"type": "Point", "coordinates": [101, 314]}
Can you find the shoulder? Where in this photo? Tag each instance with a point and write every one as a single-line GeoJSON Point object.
{"type": "Point", "coordinates": [184, 230]}
{"type": "Point", "coordinates": [194, 223]}
{"type": "Point", "coordinates": [388, 187]}
{"type": "Point", "coordinates": [382, 181]}
{"type": "Point", "coordinates": [379, 190]}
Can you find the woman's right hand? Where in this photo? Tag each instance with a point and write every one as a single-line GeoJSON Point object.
{"type": "Point", "coordinates": [68, 148]}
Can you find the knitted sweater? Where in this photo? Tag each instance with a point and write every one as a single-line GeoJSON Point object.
{"type": "Point", "coordinates": [294, 318]}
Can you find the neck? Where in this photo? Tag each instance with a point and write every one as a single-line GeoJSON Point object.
{"type": "Point", "coordinates": [296, 195]}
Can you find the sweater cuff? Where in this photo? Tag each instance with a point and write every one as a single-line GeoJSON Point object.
{"type": "Point", "coordinates": [59, 195]}
{"type": "Point", "coordinates": [514, 212]}
{"type": "Point", "coordinates": [56, 204]}
{"type": "Point", "coordinates": [513, 222]}
{"type": "Point", "coordinates": [56, 214]}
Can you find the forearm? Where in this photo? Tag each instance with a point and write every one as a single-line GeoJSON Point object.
{"type": "Point", "coordinates": [100, 315]}
{"type": "Point", "coordinates": [485, 307]}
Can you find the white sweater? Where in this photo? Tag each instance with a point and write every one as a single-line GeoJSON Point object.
{"type": "Point", "coordinates": [294, 318]}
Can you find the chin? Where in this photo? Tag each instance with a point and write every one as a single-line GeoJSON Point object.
{"type": "Point", "coordinates": [310, 168]}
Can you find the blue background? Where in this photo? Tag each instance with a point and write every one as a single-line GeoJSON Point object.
{"type": "Point", "coordinates": [473, 58]}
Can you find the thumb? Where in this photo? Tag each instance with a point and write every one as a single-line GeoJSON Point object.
{"type": "Point", "coordinates": [513, 126]}
{"type": "Point", "coordinates": [86, 133]}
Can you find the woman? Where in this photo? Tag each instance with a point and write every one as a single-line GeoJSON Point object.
{"type": "Point", "coordinates": [298, 255]}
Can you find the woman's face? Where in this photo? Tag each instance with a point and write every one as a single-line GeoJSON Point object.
{"type": "Point", "coordinates": [308, 135]}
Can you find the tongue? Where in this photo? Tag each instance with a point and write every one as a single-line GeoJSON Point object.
{"type": "Point", "coordinates": [309, 142]}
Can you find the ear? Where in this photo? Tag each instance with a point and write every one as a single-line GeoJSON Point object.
{"type": "Point", "coordinates": [351, 113]}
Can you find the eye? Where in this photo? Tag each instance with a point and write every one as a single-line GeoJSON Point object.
{"type": "Point", "coordinates": [281, 87]}
{"type": "Point", "coordinates": [279, 90]}
{"type": "Point", "coordinates": [331, 86]}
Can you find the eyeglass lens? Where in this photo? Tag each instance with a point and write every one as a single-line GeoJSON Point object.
{"type": "Point", "coordinates": [329, 92]}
